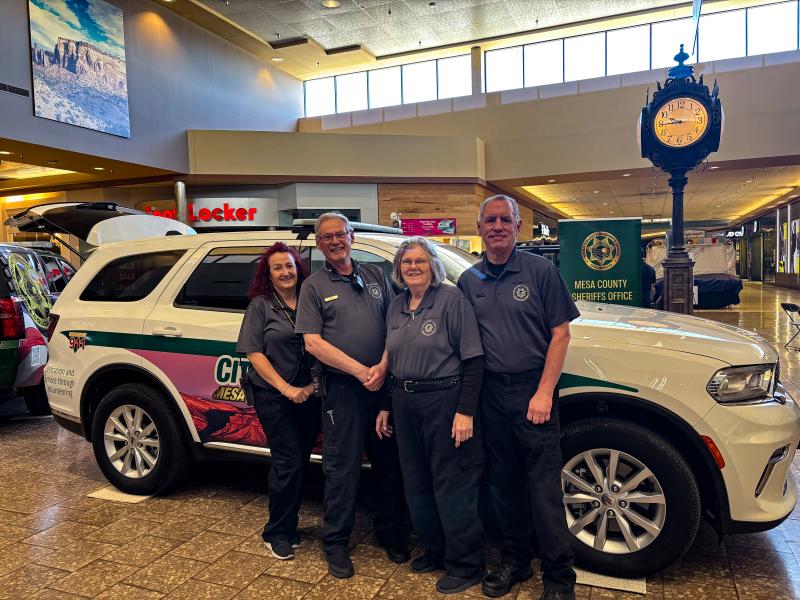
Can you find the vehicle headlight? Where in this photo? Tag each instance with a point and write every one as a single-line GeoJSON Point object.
{"type": "Point", "coordinates": [742, 384]}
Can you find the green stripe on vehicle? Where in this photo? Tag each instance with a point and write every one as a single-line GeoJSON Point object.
{"type": "Point", "coordinates": [133, 341]}
{"type": "Point", "coordinates": [568, 380]}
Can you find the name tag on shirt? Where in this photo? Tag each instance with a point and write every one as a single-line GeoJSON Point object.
{"type": "Point", "coordinates": [332, 298]}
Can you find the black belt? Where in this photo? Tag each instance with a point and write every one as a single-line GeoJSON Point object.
{"type": "Point", "coordinates": [425, 385]}
{"type": "Point", "coordinates": [514, 378]}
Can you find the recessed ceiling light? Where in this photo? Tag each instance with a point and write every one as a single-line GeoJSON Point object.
{"type": "Point", "coordinates": [276, 59]}
{"type": "Point", "coordinates": [5, 152]}
{"type": "Point", "coordinates": [626, 174]}
{"type": "Point", "coordinates": [713, 167]}
{"type": "Point", "coordinates": [596, 192]}
{"type": "Point", "coordinates": [748, 181]}
{"type": "Point", "coordinates": [99, 168]}
{"type": "Point", "coordinates": [551, 181]}
{"type": "Point", "coordinates": [168, 1]}
{"type": "Point", "coordinates": [331, 3]}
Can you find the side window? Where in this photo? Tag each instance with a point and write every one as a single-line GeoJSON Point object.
{"type": "Point", "coordinates": [222, 280]}
{"type": "Point", "coordinates": [54, 273]}
{"type": "Point", "coordinates": [67, 269]}
{"type": "Point", "coordinates": [130, 278]}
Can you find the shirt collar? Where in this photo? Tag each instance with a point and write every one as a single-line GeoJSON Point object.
{"type": "Point", "coordinates": [336, 276]}
{"type": "Point", "coordinates": [512, 265]}
{"type": "Point", "coordinates": [427, 299]}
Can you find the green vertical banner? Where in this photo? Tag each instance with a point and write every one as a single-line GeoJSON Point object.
{"type": "Point", "coordinates": [600, 259]}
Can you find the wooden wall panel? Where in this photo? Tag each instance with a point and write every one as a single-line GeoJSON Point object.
{"type": "Point", "coordinates": [433, 200]}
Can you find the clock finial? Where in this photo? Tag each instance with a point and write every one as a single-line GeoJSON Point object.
{"type": "Point", "coordinates": [681, 71]}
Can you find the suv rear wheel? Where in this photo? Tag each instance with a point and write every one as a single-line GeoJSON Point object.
{"type": "Point", "coordinates": [632, 502]}
{"type": "Point", "coordinates": [137, 441]}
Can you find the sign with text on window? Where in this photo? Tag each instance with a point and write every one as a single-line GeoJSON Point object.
{"type": "Point", "coordinates": [439, 226]}
{"type": "Point", "coordinates": [220, 212]}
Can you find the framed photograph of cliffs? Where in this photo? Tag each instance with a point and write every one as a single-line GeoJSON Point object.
{"type": "Point", "coordinates": [78, 62]}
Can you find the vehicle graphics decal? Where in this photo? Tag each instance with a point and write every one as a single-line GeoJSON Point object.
{"type": "Point", "coordinates": [77, 341]}
{"type": "Point", "coordinates": [30, 289]}
{"type": "Point", "coordinates": [208, 375]}
{"type": "Point", "coordinates": [568, 380]}
{"type": "Point", "coordinates": [32, 355]}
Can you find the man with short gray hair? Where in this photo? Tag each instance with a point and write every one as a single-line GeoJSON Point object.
{"type": "Point", "coordinates": [341, 313]}
{"type": "Point", "coordinates": [523, 309]}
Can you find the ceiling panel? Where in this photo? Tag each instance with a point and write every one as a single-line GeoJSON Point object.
{"type": "Point", "coordinates": [409, 22]}
{"type": "Point", "coordinates": [710, 194]}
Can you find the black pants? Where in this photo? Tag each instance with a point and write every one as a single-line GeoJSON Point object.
{"type": "Point", "coordinates": [441, 481]}
{"type": "Point", "coordinates": [348, 429]}
{"type": "Point", "coordinates": [520, 454]}
{"type": "Point", "coordinates": [291, 431]}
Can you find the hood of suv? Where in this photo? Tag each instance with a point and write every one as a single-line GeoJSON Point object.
{"type": "Point", "coordinates": [96, 222]}
{"type": "Point", "coordinates": [616, 324]}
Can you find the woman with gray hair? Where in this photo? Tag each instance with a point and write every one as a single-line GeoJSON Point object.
{"type": "Point", "coordinates": [436, 360]}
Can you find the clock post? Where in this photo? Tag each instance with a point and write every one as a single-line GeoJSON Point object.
{"type": "Point", "coordinates": [679, 128]}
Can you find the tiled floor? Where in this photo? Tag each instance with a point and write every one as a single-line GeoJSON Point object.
{"type": "Point", "coordinates": [203, 542]}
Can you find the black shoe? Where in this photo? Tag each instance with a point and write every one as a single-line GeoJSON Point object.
{"type": "Point", "coordinates": [500, 581]}
{"type": "Point", "coordinates": [396, 549]}
{"type": "Point", "coordinates": [450, 584]}
{"type": "Point", "coordinates": [426, 563]}
{"type": "Point", "coordinates": [339, 564]}
{"type": "Point", "coordinates": [551, 594]}
{"type": "Point", "coordinates": [294, 540]}
{"type": "Point", "coordinates": [280, 547]}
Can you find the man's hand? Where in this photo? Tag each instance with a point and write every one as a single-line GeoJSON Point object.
{"type": "Point", "coordinates": [382, 427]}
{"type": "Point", "coordinates": [462, 429]}
{"type": "Point", "coordinates": [376, 375]}
{"type": "Point", "coordinates": [296, 394]}
{"type": "Point", "coordinates": [540, 406]}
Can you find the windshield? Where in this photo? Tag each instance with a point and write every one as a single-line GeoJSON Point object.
{"type": "Point", "coordinates": [455, 260]}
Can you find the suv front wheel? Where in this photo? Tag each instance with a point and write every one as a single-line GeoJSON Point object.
{"type": "Point", "coordinates": [137, 440]}
{"type": "Point", "coordinates": [632, 502]}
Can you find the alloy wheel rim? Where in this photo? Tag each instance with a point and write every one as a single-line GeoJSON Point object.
{"type": "Point", "coordinates": [131, 441]}
{"type": "Point", "coordinates": [614, 503]}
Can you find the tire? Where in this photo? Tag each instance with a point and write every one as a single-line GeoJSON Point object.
{"type": "Point", "coordinates": [36, 399]}
{"type": "Point", "coordinates": [642, 537]}
{"type": "Point", "coordinates": [136, 427]}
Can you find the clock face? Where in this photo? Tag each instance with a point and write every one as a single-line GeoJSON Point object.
{"type": "Point", "coordinates": [680, 122]}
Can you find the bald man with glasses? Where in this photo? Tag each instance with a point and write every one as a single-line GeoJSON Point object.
{"type": "Point", "coordinates": [342, 316]}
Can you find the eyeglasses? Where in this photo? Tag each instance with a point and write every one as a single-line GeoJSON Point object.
{"type": "Point", "coordinates": [418, 262]}
{"type": "Point", "coordinates": [339, 236]}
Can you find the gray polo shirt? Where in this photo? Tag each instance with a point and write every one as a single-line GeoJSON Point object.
{"type": "Point", "coordinates": [267, 329]}
{"type": "Point", "coordinates": [517, 310]}
{"type": "Point", "coordinates": [434, 340]}
{"type": "Point", "coordinates": [354, 322]}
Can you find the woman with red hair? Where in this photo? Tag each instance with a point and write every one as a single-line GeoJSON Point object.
{"type": "Point", "coordinates": [283, 394]}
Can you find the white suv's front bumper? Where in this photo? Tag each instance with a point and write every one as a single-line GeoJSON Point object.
{"type": "Point", "coordinates": [757, 443]}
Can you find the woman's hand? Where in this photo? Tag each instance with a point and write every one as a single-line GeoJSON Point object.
{"type": "Point", "coordinates": [296, 394]}
{"type": "Point", "coordinates": [462, 429]}
{"type": "Point", "coordinates": [382, 427]}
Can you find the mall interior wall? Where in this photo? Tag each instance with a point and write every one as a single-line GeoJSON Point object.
{"type": "Point", "coordinates": [180, 77]}
{"type": "Point", "coordinates": [590, 126]}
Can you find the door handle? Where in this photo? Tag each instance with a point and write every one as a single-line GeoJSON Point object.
{"type": "Point", "coordinates": [167, 331]}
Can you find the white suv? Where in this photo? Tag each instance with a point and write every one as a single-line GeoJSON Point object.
{"type": "Point", "coordinates": [664, 417]}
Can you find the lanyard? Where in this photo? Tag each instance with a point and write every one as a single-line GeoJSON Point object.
{"type": "Point", "coordinates": [283, 308]}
